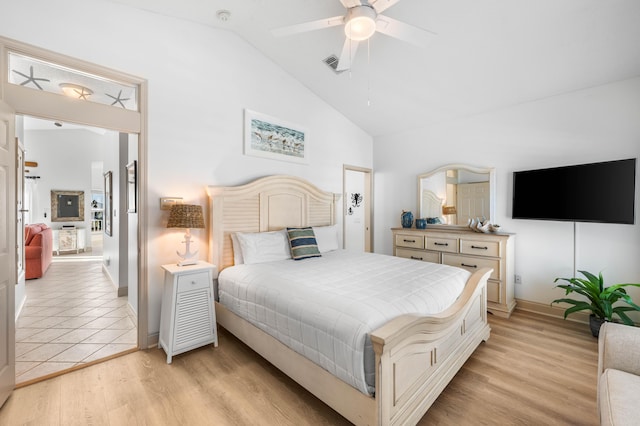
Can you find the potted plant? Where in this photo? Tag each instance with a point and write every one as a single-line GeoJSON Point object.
{"type": "Point", "coordinates": [601, 300]}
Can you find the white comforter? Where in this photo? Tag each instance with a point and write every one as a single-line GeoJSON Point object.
{"type": "Point", "coordinates": [325, 308]}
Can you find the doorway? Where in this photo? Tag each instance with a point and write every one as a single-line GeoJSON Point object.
{"type": "Point", "coordinates": [80, 307]}
{"type": "Point", "coordinates": [357, 190]}
{"type": "Point", "coordinates": [48, 85]}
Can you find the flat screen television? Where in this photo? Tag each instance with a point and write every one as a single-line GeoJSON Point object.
{"type": "Point", "coordinates": [597, 192]}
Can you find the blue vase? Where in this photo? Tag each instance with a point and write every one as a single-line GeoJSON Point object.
{"type": "Point", "coordinates": [407, 219]}
{"type": "Point", "coordinates": [421, 223]}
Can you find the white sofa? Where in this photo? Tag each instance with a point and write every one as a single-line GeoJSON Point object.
{"type": "Point", "coordinates": [619, 375]}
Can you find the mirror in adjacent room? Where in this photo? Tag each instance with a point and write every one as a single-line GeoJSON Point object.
{"type": "Point", "coordinates": [453, 194]}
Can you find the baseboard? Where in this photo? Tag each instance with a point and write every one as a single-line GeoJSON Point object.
{"type": "Point", "coordinates": [132, 313]}
{"type": "Point", "coordinates": [123, 291]}
{"type": "Point", "coordinates": [21, 306]}
{"type": "Point", "coordinates": [152, 340]}
{"type": "Point", "coordinates": [552, 311]}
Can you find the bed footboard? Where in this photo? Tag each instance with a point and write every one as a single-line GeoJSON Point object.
{"type": "Point", "coordinates": [416, 357]}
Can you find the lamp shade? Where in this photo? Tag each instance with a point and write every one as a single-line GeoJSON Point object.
{"type": "Point", "coordinates": [186, 216]}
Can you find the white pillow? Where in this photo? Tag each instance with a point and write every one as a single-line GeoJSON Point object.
{"type": "Point", "coordinates": [260, 247]}
{"type": "Point", "coordinates": [327, 238]}
{"type": "Point", "coordinates": [237, 250]}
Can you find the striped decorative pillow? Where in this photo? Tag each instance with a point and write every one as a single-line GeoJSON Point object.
{"type": "Point", "coordinates": [303, 243]}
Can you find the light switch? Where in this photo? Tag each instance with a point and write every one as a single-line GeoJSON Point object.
{"type": "Point", "coordinates": [167, 202]}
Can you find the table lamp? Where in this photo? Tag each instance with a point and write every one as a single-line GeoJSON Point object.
{"type": "Point", "coordinates": [186, 216]}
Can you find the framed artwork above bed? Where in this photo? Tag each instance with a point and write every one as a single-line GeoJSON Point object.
{"type": "Point", "coordinates": [272, 138]}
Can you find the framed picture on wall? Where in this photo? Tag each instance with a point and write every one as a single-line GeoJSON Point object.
{"type": "Point", "coordinates": [270, 137]}
{"type": "Point", "coordinates": [132, 193]}
{"type": "Point", "coordinates": [108, 202]}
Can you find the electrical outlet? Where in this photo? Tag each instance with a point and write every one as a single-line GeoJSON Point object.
{"type": "Point", "coordinates": [518, 279]}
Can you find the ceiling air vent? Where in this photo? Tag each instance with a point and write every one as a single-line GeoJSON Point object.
{"type": "Point", "coordinates": [332, 62]}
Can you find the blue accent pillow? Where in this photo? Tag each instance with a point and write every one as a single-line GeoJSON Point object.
{"type": "Point", "coordinates": [303, 244]}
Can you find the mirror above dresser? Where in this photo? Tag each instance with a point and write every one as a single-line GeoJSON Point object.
{"type": "Point", "coordinates": [451, 195]}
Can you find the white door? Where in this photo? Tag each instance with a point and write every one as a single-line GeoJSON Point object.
{"type": "Point", "coordinates": [7, 251]}
{"type": "Point", "coordinates": [20, 214]}
{"type": "Point", "coordinates": [473, 201]}
{"type": "Point", "coordinates": [357, 209]}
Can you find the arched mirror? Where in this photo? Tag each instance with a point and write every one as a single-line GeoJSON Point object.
{"type": "Point", "coordinates": [453, 194]}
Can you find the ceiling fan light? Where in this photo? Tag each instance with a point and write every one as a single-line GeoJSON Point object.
{"type": "Point", "coordinates": [360, 23]}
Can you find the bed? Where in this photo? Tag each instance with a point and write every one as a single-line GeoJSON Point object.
{"type": "Point", "coordinates": [415, 356]}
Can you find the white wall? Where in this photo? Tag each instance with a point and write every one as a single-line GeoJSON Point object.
{"type": "Point", "coordinates": [200, 81]}
{"type": "Point", "coordinates": [597, 124]}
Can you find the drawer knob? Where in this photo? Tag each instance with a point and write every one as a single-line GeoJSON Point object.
{"type": "Point", "coordinates": [480, 247]}
{"type": "Point", "coordinates": [441, 244]}
{"type": "Point", "coordinates": [409, 241]}
{"type": "Point", "coordinates": [469, 266]}
{"type": "Point", "coordinates": [193, 282]}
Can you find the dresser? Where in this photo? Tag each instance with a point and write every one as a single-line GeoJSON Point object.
{"type": "Point", "coordinates": [469, 250]}
{"type": "Point", "coordinates": [69, 239]}
{"type": "Point", "coordinates": [188, 317]}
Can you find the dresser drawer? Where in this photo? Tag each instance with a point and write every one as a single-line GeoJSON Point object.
{"type": "Point", "coordinates": [480, 248]}
{"type": "Point", "coordinates": [193, 282]}
{"type": "Point", "coordinates": [448, 245]}
{"type": "Point", "coordinates": [407, 240]}
{"type": "Point", "coordinates": [425, 256]}
{"type": "Point", "coordinates": [472, 264]}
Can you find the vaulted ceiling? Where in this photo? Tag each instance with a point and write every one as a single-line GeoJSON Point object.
{"type": "Point", "coordinates": [486, 54]}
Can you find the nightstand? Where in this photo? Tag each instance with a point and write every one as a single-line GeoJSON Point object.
{"type": "Point", "coordinates": [188, 318]}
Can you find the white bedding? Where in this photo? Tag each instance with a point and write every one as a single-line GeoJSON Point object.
{"type": "Point", "coordinates": [324, 308]}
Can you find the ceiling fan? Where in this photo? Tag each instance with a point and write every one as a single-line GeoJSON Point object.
{"type": "Point", "coordinates": [362, 20]}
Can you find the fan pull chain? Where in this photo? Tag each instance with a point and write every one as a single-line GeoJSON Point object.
{"type": "Point", "coordinates": [368, 72]}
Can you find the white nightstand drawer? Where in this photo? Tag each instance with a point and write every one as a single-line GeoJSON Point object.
{"type": "Point", "coordinates": [480, 248]}
{"type": "Point", "coordinates": [425, 256]}
{"type": "Point", "coordinates": [449, 245]}
{"type": "Point", "coordinates": [472, 264]}
{"type": "Point", "coordinates": [413, 241]}
{"type": "Point", "coordinates": [193, 281]}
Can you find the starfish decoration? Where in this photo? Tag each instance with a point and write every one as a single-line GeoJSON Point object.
{"type": "Point", "coordinates": [83, 93]}
{"type": "Point", "coordinates": [30, 78]}
{"type": "Point", "coordinates": [118, 99]}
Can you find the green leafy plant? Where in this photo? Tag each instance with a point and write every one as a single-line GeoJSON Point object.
{"type": "Point", "coordinates": [601, 299]}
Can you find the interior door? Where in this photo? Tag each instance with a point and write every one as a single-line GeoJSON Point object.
{"type": "Point", "coordinates": [20, 214]}
{"type": "Point", "coordinates": [7, 251]}
{"type": "Point", "coordinates": [357, 230]}
{"type": "Point", "coordinates": [473, 201]}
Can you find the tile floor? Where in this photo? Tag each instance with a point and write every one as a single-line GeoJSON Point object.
{"type": "Point", "coordinates": [72, 316]}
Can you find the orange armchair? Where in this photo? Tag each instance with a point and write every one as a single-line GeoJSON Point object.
{"type": "Point", "coordinates": [38, 249]}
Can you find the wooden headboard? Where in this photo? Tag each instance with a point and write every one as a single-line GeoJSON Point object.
{"type": "Point", "coordinates": [266, 204]}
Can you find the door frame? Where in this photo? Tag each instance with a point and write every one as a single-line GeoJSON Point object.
{"type": "Point", "coordinates": [368, 204]}
{"type": "Point", "coordinates": [51, 106]}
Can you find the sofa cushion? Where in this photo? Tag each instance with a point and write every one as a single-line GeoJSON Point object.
{"type": "Point", "coordinates": [618, 398]}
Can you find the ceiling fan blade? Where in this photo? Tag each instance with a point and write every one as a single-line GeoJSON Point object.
{"type": "Point", "coordinates": [382, 5]}
{"type": "Point", "coordinates": [349, 50]}
{"type": "Point", "coordinates": [308, 26]}
{"type": "Point", "coordinates": [350, 3]}
{"type": "Point", "coordinates": [405, 32]}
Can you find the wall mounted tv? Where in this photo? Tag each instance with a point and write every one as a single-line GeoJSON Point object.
{"type": "Point", "coordinates": [597, 192]}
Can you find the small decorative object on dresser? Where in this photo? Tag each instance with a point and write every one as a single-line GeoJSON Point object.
{"type": "Point", "coordinates": [407, 219]}
{"type": "Point", "coordinates": [188, 318]}
{"type": "Point", "coordinates": [421, 223]}
{"type": "Point", "coordinates": [468, 250]}
{"type": "Point", "coordinates": [600, 300]}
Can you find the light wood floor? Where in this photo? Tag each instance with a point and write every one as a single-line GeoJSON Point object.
{"type": "Point", "coordinates": [534, 370]}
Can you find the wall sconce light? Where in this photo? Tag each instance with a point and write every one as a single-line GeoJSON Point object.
{"type": "Point", "coordinates": [186, 216]}
{"type": "Point", "coordinates": [76, 91]}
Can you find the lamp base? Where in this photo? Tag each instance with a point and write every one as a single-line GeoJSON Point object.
{"type": "Point", "coordinates": [187, 262]}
